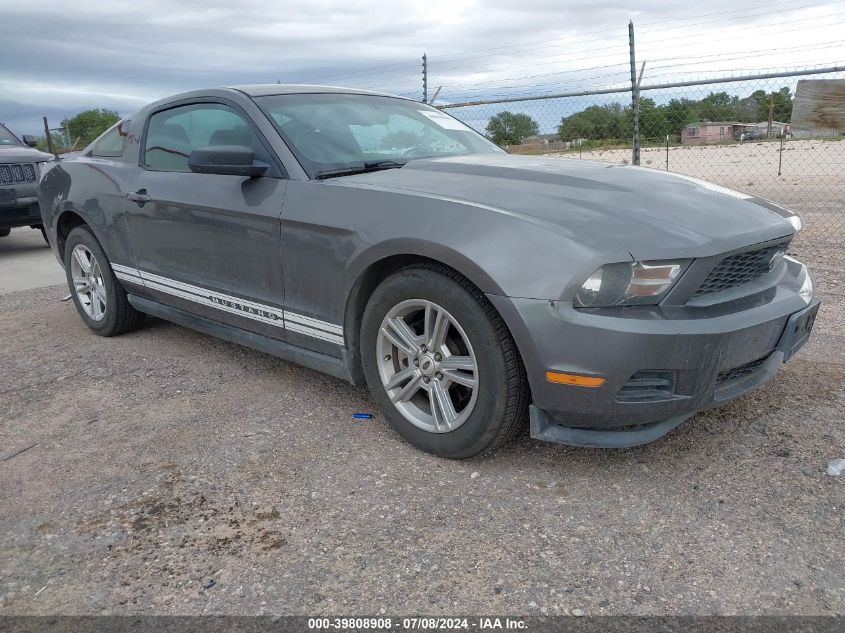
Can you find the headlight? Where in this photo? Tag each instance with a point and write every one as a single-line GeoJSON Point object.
{"type": "Point", "coordinates": [795, 221]}
{"type": "Point", "coordinates": [629, 283]}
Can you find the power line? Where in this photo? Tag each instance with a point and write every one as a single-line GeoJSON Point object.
{"type": "Point", "coordinates": [384, 77]}
{"type": "Point", "coordinates": [762, 29]}
{"type": "Point", "coordinates": [755, 15]}
{"type": "Point", "coordinates": [613, 29]}
{"type": "Point", "coordinates": [713, 58]}
{"type": "Point", "coordinates": [437, 65]}
{"type": "Point", "coordinates": [624, 85]}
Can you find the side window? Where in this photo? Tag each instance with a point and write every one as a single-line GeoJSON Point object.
{"type": "Point", "coordinates": [113, 142]}
{"type": "Point", "coordinates": [173, 134]}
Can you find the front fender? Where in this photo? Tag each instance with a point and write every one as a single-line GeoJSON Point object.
{"type": "Point", "coordinates": [430, 250]}
{"type": "Point", "coordinates": [93, 191]}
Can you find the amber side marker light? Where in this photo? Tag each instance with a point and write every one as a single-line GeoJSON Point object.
{"type": "Point", "coordinates": [574, 379]}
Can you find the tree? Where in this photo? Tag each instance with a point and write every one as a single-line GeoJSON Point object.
{"type": "Point", "coordinates": [596, 123]}
{"type": "Point", "coordinates": [58, 143]}
{"type": "Point", "coordinates": [653, 123]}
{"type": "Point", "coordinates": [509, 128]}
{"type": "Point", "coordinates": [612, 122]}
{"type": "Point", "coordinates": [88, 125]}
{"type": "Point", "coordinates": [678, 113]}
{"type": "Point", "coordinates": [718, 106]}
{"type": "Point", "coordinates": [781, 102]}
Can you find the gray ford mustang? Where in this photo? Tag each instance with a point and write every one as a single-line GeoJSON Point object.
{"type": "Point", "coordinates": [382, 241]}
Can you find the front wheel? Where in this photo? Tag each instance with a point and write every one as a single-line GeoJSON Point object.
{"type": "Point", "coordinates": [99, 298]}
{"type": "Point", "coordinates": [441, 363]}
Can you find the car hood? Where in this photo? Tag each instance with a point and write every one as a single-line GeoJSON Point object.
{"type": "Point", "coordinates": [607, 207]}
{"type": "Point", "coordinates": [22, 154]}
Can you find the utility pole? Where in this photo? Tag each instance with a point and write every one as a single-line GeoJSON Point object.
{"type": "Point", "coordinates": [635, 97]}
{"type": "Point", "coordinates": [425, 78]}
{"type": "Point", "coordinates": [771, 109]}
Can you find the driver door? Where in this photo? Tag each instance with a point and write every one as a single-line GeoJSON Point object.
{"type": "Point", "coordinates": [205, 243]}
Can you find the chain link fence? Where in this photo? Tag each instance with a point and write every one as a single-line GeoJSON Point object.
{"type": "Point", "coordinates": [735, 132]}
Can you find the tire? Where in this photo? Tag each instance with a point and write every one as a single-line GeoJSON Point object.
{"type": "Point", "coordinates": [476, 338]}
{"type": "Point", "coordinates": [5, 232]}
{"type": "Point", "coordinates": [112, 316]}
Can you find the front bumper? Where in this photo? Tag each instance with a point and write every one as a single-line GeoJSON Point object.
{"type": "Point", "coordinates": [704, 356]}
{"type": "Point", "coordinates": [19, 204]}
{"type": "Point", "coordinates": [25, 212]}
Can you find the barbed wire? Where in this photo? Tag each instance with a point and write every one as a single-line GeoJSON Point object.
{"type": "Point", "coordinates": [387, 73]}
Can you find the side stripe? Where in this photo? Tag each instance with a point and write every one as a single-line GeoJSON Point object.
{"type": "Point", "coordinates": [278, 322]}
{"type": "Point", "coordinates": [313, 323]}
{"type": "Point", "coordinates": [125, 273]}
{"type": "Point", "coordinates": [130, 278]}
{"type": "Point", "coordinates": [263, 313]}
{"type": "Point", "coordinates": [179, 285]}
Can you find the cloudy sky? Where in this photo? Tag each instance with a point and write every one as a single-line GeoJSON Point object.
{"type": "Point", "coordinates": [62, 57]}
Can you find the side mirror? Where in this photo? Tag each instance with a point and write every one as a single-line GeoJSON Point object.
{"type": "Point", "coordinates": [226, 160]}
{"type": "Point", "coordinates": [29, 139]}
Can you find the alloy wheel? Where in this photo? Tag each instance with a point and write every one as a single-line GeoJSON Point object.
{"type": "Point", "coordinates": [427, 365]}
{"type": "Point", "coordinates": [88, 283]}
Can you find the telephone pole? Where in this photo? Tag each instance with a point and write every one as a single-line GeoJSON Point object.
{"type": "Point", "coordinates": [771, 109]}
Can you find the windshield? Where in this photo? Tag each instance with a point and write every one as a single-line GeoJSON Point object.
{"type": "Point", "coordinates": [333, 133]}
{"type": "Point", "coordinates": [7, 138]}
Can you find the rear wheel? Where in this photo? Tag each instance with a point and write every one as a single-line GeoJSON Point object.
{"type": "Point", "coordinates": [5, 232]}
{"type": "Point", "coordinates": [441, 363]}
{"type": "Point", "coordinates": [99, 298]}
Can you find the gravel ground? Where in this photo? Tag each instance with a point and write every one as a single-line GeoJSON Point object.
{"type": "Point", "coordinates": [168, 472]}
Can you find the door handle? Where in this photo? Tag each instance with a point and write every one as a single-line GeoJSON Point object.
{"type": "Point", "coordinates": [139, 197]}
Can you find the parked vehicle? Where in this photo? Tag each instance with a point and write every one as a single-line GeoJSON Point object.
{"type": "Point", "coordinates": [382, 241]}
{"type": "Point", "coordinates": [20, 166]}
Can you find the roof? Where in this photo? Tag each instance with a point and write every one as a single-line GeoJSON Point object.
{"type": "Point", "coordinates": [263, 90]}
{"type": "Point", "coordinates": [702, 123]}
{"type": "Point", "coordinates": [259, 90]}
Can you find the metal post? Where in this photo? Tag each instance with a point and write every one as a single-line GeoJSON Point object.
{"type": "Point", "coordinates": [780, 157]}
{"type": "Point", "coordinates": [49, 138]}
{"type": "Point", "coordinates": [635, 97]}
{"type": "Point", "coordinates": [667, 152]}
{"type": "Point", "coordinates": [425, 78]}
{"type": "Point", "coordinates": [436, 92]}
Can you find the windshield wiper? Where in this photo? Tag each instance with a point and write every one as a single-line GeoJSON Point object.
{"type": "Point", "coordinates": [363, 168]}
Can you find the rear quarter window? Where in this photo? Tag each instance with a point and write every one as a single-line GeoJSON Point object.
{"type": "Point", "coordinates": [113, 143]}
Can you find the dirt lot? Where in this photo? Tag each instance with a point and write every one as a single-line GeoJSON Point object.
{"type": "Point", "coordinates": [169, 472]}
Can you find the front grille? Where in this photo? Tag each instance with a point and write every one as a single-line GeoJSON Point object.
{"type": "Point", "coordinates": [648, 386]}
{"type": "Point", "coordinates": [739, 269]}
{"type": "Point", "coordinates": [737, 373]}
{"type": "Point", "coordinates": [14, 173]}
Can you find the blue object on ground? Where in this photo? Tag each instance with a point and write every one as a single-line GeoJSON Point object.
{"type": "Point", "coordinates": [362, 416]}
